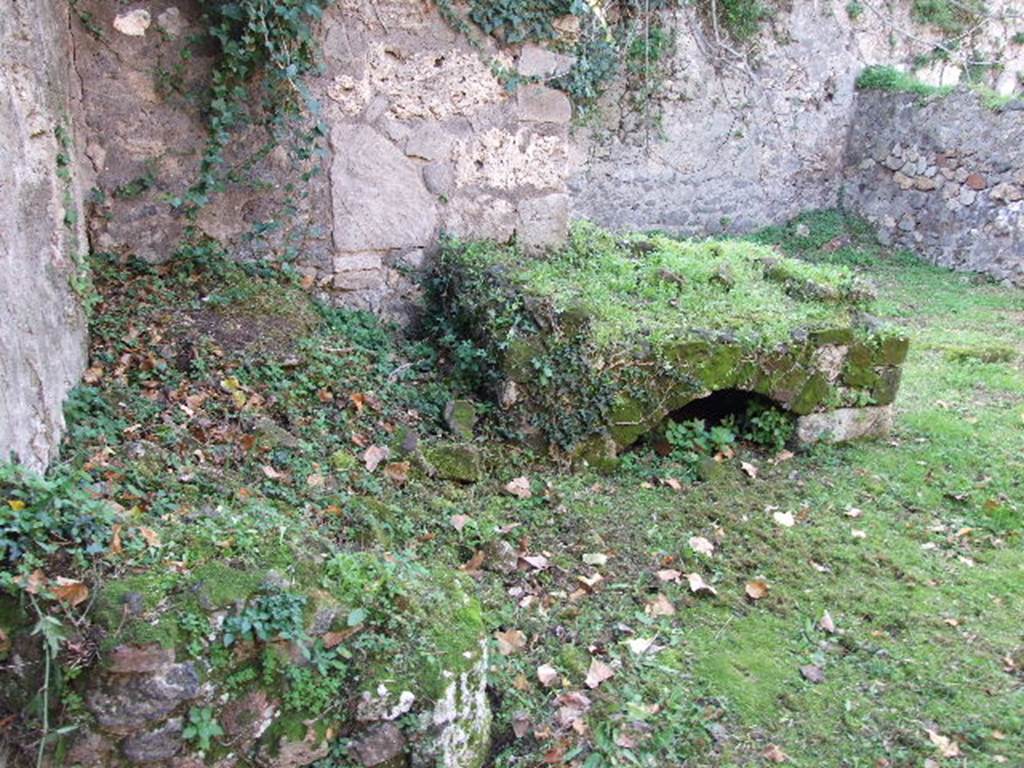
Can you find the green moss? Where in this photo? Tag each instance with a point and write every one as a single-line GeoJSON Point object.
{"type": "Point", "coordinates": [812, 395]}
{"type": "Point", "coordinates": [146, 590]}
{"type": "Point", "coordinates": [219, 585]}
{"type": "Point", "coordinates": [455, 462]}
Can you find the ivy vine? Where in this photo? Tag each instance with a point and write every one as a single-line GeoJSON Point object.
{"type": "Point", "coordinates": [264, 50]}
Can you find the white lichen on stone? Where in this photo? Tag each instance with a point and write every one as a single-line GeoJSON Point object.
{"type": "Point", "coordinates": [461, 718]}
{"type": "Point", "coordinates": [133, 23]}
{"type": "Point", "coordinates": [382, 706]}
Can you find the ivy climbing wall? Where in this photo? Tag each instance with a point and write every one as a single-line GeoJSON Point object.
{"type": "Point", "coordinates": [42, 326]}
{"type": "Point", "coordinates": [419, 137]}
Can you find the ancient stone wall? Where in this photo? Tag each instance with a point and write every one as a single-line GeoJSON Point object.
{"type": "Point", "coordinates": [943, 177]}
{"type": "Point", "coordinates": [423, 138]}
{"type": "Point", "coordinates": [42, 329]}
{"type": "Point", "coordinates": [749, 140]}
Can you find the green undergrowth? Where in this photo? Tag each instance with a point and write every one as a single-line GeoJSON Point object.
{"type": "Point", "coordinates": [212, 469]}
{"type": "Point", "coordinates": [658, 288]}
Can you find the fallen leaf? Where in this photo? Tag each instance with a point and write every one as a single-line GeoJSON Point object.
{"type": "Point", "coordinates": [571, 707]}
{"type": "Point", "coordinates": [698, 586]}
{"type": "Point", "coordinates": [853, 512]}
{"type": "Point", "coordinates": [92, 375]}
{"type": "Point", "coordinates": [672, 483]}
{"type": "Point", "coordinates": [595, 558]}
{"type": "Point", "coordinates": [590, 581]}
{"type": "Point", "coordinates": [34, 582]}
{"type": "Point", "coordinates": [152, 537]}
{"type": "Point", "coordinates": [947, 747]}
{"type": "Point", "coordinates": [397, 471]}
{"type": "Point", "coordinates": [272, 473]}
{"type": "Point", "coordinates": [5, 647]}
{"type": "Point", "coordinates": [473, 564]}
{"type": "Point", "coordinates": [785, 519]}
{"type": "Point", "coordinates": [659, 606]}
{"type": "Point", "coordinates": [510, 641]}
{"type": "Point", "coordinates": [519, 487]}
{"type": "Point", "coordinates": [16, 504]}
{"type": "Point", "coordinates": [640, 645]}
{"type": "Point", "coordinates": [521, 724]}
{"type": "Point", "coordinates": [812, 673]}
{"type": "Point", "coordinates": [116, 548]}
{"type": "Point", "coordinates": [373, 456]}
{"type": "Point", "coordinates": [598, 673]}
{"type": "Point", "coordinates": [70, 591]}
{"type": "Point", "coordinates": [547, 675]}
{"type": "Point", "coordinates": [459, 521]}
{"type": "Point", "coordinates": [701, 545]}
{"type": "Point", "coordinates": [784, 456]}
{"type": "Point", "coordinates": [537, 562]}
{"type": "Point", "coordinates": [857, 533]}
{"type": "Point", "coordinates": [669, 574]}
{"type": "Point", "coordinates": [773, 753]}
{"type": "Point", "coordinates": [827, 624]}
{"type": "Point", "coordinates": [757, 589]}
{"type": "Point", "coordinates": [749, 469]}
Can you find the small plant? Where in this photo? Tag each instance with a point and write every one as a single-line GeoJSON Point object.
{"type": "Point", "coordinates": [854, 9]}
{"type": "Point", "coordinates": [692, 441]}
{"type": "Point", "coordinates": [278, 615]}
{"type": "Point", "coordinates": [202, 728]}
{"type": "Point", "coordinates": [767, 426]}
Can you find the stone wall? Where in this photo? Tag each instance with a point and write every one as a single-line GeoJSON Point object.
{"type": "Point", "coordinates": [423, 138]}
{"type": "Point", "coordinates": [755, 139]}
{"type": "Point", "coordinates": [42, 329]}
{"type": "Point", "coordinates": [944, 178]}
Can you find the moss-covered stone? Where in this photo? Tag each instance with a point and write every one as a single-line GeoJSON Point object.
{"type": "Point", "coordinates": [460, 416]}
{"type": "Point", "coordinates": [608, 339]}
{"type": "Point", "coordinates": [460, 463]}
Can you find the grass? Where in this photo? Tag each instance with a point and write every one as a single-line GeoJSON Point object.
{"type": "Point", "coordinates": [659, 288]}
{"type": "Point", "coordinates": [914, 546]}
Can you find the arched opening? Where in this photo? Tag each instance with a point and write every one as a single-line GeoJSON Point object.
{"type": "Point", "coordinates": [720, 406]}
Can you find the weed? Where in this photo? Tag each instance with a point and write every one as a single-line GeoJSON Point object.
{"type": "Point", "coordinates": [202, 727]}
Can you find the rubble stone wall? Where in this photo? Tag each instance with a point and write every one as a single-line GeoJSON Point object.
{"type": "Point", "coordinates": [943, 177]}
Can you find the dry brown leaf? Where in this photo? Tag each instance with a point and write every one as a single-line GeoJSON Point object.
{"type": "Point", "coordinates": [749, 469]}
{"type": "Point", "coordinates": [473, 564]}
{"type": "Point", "coordinates": [947, 747]}
{"type": "Point", "coordinates": [459, 521]}
{"type": "Point", "coordinates": [757, 589]}
{"type": "Point", "coordinates": [537, 562]}
{"type": "Point", "coordinates": [595, 558]}
{"type": "Point", "coordinates": [698, 586]}
{"type": "Point", "coordinates": [152, 537]}
{"type": "Point", "coordinates": [397, 471]}
{"type": "Point", "coordinates": [510, 641]}
{"type": "Point", "coordinates": [857, 533]}
{"type": "Point", "coordinates": [93, 374]}
{"type": "Point", "coordinates": [571, 707]}
{"type": "Point", "coordinates": [519, 487]}
{"type": "Point", "coordinates": [701, 546]}
{"type": "Point", "coordinates": [373, 456]}
{"type": "Point", "coordinates": [272, 473]}
{"type": "Point", "coordinates": [34, 582]}
{"type": "Point", "coordinates": [70, 591]}
{"type": "Point", "coordinates": [659, 606]}
{"type": "Point", "coordinates": [812, 673]}
{"type": "Point", "coordinates": [669, 574]}
{"type": "Point", "coordinates": [547, 675]}
{"type": "Point", "coordinates": [773, 753]}
{"type": "Point", "coordinates": [521, 724]}
{"type": "Point", "coordinates": [598, 673]}
{"type": "Point", "coordinates": [672, 483]}
{"type": "Point", "coordinates": [827, 624]}
{"type": "Point", "coordinates": [116, 548]}
{"type": "Point", "coordinates": [640, 645]}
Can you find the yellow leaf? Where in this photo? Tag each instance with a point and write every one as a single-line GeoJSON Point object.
{"type": "Point", "coordinates": [16, 504]}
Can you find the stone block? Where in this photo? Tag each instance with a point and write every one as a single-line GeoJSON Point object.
{"type": "Point", "coordinates": [543, 222]}
{"type": "Point", "coordinates": [536, 61]}
{"type": "Point", "coordinates": [844, 425]}
{"type": "Point", "coordinates": [540, 104]}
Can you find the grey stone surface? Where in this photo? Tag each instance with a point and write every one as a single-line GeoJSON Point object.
{"type": "Point", "coordinates": [42, 328]}
{"type": "Point", "coordinates": [543, 222]}
{"type": "Point", "coordinates": [969, 214]}
{"type": "Point", "coordinates": [844, 425]}
{"type": "Point", "coordinates": [156, 745]}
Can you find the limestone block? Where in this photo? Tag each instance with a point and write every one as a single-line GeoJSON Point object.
{"type": "Point", "coordinates": [536, 61]}
{"type": "Point", "coordinates": [845, 424]}
{"type": "Point", "coordinates": [540, 104]}
{"type": "Point", "coordinates": [543, 222]}
{"type": "Point", "coordinates": [380, 200]}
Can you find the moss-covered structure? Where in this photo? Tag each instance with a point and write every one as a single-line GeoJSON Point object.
{"type": "Point", "coordinates": [596, 345]}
